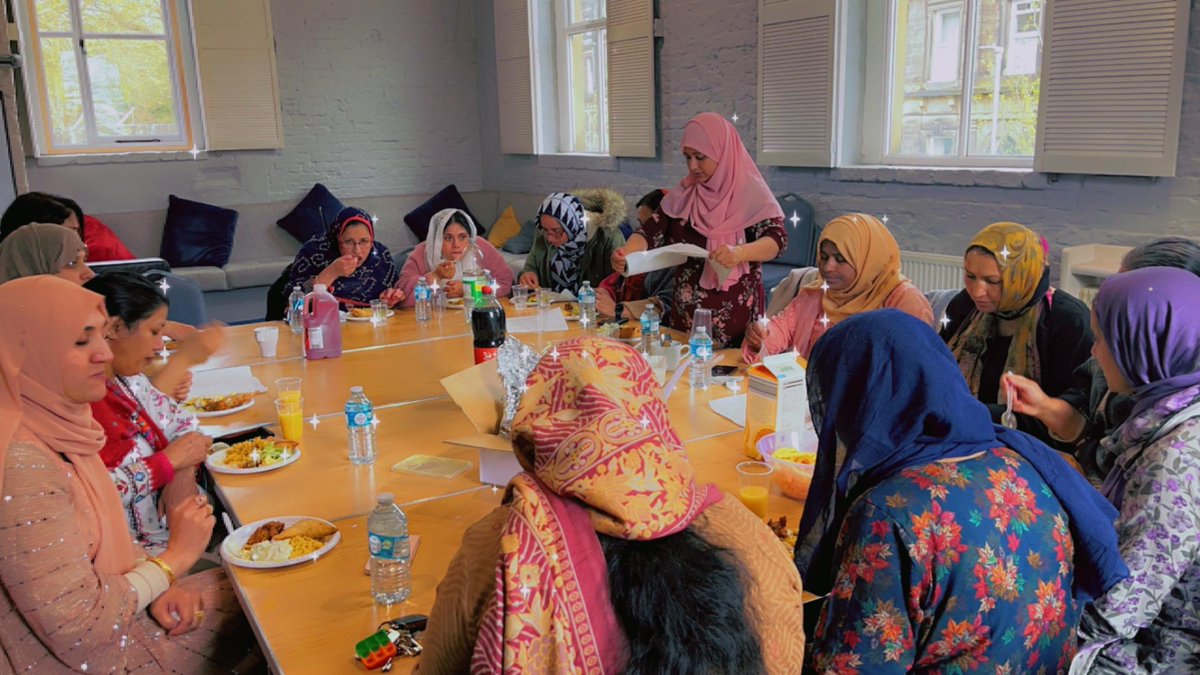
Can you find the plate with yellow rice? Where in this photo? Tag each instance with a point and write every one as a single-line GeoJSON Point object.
{"type": "Point", "coordinates": [257, 455]}
{"type": "Point", "coordinates": [284, 541]}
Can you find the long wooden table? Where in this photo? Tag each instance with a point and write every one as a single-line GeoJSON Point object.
{"type": "Point", "coordinates": [308, 617]}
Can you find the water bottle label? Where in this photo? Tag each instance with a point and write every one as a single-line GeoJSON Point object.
{"type": "Point", "coordinates": [701, 350]}
{"type": "Point", "coordinates": [650, 327]}
{"type": "Point", "coordinates": [421, 294]}
{"type": "Point", "coordinates": [388, 548]}
{"type": "Point", "coordinates": [359, 418]}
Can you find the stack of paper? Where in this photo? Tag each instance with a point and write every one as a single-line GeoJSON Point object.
{"type": "Point", "coordinates": [641, 262]}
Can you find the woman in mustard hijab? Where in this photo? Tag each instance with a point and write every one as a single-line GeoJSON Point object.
{"type": "Point", "coordinates": [1009, 319]}
{"type": "Point", "coordinates": [859, 266]}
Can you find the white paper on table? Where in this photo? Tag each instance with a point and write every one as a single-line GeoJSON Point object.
{"type": "Point", "coordinates": [236, 380]}
{"type": "Point", "coordinates": [550, 321]}
{"type": "Point", "coordinates": [732, 408]}
{"type": "Point", "coordinates": [652, 260]}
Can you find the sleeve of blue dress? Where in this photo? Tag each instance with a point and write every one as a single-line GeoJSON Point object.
{"type": "Point", "coordinates": [865, 624]}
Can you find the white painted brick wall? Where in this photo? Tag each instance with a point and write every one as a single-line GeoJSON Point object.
{"type": "Point", "coordinates": [708, 62]}
{"type": "Point", "coordinates": [378, 98]}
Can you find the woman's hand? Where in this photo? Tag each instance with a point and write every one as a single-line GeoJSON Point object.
{"type": "Point", "coordinates": [529, 280]}
{"type": "Point", "coordinates": [180, 394]}
{"type": "Point", "coordinates": [191, 524]}
{"type": "Point", "coordinates": [188, 450]}
{"type": "Point", "coordinates": [618, 260]}
{"type": "Point", "coordinates": [727, 256]}
{"type": "Point", "coordinates": [755, 334]}
{"type": "Point", "coordinates": [392, 297]}
{"type": "Point", "coordinates": [1027, 395]}
{"type": "Point", "coordinates": [445, 270]}
{"type": "Point", "coordinates": [605, 304]}
{"type": "Point", "coordinates": [178, 610]}
{"type": "Point", "coordinates": [203, 344]}
{"type": "Point", "coordinates": [342, 267]}
{"type": "Point", "coordinates": [454, 289]}
{"type": "Point", "coordinates": [178, 331]}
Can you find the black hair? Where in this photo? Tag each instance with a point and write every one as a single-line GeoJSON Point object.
{"type": "Point", "coordinates": [33, 207]}
{"type": "Point", "coordinates": [681, 604]}
{"type": "Point", "coordinates": [128, 296]}
{"type": "Point", "coordinates": [458, 218]}
{"type": "Point", "coordinates": [651, 200]}
{"type": "Point", "coordinates": [980, 249]}
{"type": "Point", "coordinates": [1166, 252]}
{"type": "Point", "coordinates": [74, 206]}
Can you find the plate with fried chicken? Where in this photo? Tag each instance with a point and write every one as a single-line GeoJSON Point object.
{"type": "Point", "coordinates": [279, 542]}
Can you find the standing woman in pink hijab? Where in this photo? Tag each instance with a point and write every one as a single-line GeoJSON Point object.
{"type": "Point", "coordinates": [725, 207]}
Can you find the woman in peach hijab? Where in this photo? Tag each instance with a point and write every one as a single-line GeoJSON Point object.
{"type": "Point", "coordinates": [859, 270]}
{"type": "Point", "coordinates": [76, 589]}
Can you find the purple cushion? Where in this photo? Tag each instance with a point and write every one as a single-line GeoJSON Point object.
{"type": "Point", "coordinates": [197, 234]}
{"type": "Point", "coordinates": [448, 198]}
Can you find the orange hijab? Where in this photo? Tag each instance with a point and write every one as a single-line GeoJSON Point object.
{"type": "Point", "coordinates": [42, 319]}
{"type": "Point", "coordinates": [873, 252]}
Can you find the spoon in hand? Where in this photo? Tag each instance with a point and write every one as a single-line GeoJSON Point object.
{"type": "Point", "coordinates": [1008, 419]}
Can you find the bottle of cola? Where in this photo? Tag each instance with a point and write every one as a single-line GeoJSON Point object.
{"type": "Point", "coordinates": [487, 325]}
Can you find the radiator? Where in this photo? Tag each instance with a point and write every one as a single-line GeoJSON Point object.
{"type": "Point", "coordinates": [932, 271]}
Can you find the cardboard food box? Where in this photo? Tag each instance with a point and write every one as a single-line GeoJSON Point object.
{"type": "Point", "coordinates": [479, 392]}
{"type": "Point", "coordinates": [776, 399]}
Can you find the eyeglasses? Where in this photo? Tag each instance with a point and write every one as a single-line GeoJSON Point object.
{"type": "Point", "coordinates": [353, 244]}
{"type": "Point", "coordinates": [556, 232]}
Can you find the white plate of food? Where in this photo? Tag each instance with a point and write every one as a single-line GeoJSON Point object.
{"type": "Point", "coordinates": [271, 543]}
{"type": "Point", "coordinates": [257, 455]}
{"type": "Point", "coordinates": [218, 406]}
{"type": "Point", "coordinates": [368, 316]}
{"type": "Point", "coordinates": [570, 310]}
{"type": "Point", "coordinates": [454, 303]}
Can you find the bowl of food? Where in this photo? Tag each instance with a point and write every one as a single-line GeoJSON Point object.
{"type": "Point", "coordinates": [793, 454]}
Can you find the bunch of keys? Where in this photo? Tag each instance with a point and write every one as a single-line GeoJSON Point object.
{"type": "Point", "coordinates": [397, 637]}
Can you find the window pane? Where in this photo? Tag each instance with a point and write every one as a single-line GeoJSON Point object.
{"type": "Point", "coordinates": [1007, 84]}
{"type": "Point", "coordinates": [587, 53]}
{"type": "Point", "coordinates": [131, 88]}
{"type": "Point", "coordinates": [67, 126]}
{"type": "Point", "coordinates": [586, 10]}
{"type": "Point", "coordinates": [926, 95]}
{"type": "Point", "coordinates": [122, 16]}
{"type": "Point", "coordinates": [53, 16]}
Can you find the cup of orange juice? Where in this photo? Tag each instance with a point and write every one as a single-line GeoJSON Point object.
{"type": "Point", "coordinates": [754, 486]}
{"type": "Point", "coordinates": [288, 388]}
{"type": "Point", "coordinates": [291, 417]}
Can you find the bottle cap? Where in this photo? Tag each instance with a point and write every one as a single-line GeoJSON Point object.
{"type": "Point", "coordinates": [386, 498]}
{"type": "Point", "coordinates": [356, 390]}
{"type": "Point", "coordinates": [319, 288]}
{"type": "Point", "coordinates": [487, 290]}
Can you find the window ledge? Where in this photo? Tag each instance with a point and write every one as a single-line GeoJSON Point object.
{"type": "Point", "coordinates": [565, 160]}
{"type": "Point", "coordinates": [997, 177]}
{"type": "Point", "coordinates": [119, 158]}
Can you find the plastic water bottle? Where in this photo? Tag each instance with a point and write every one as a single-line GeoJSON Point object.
{"type": "Point", "coordinates": [587, 303]}
{"type": "Point", "coordinates": [295, 310]}
{"type": "Point", "coordinates": [360, 427]}
{"type": "Point", "coordinates": [651, 326]}
{"type": "Point", "coordinates": [701, 347]}
{"type": "Point", "coordinates": [387, 539]}
{"type": "Point", "coordinates": [422, 297]}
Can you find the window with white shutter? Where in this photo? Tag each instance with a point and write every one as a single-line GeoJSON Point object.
{"type": "Point", "coordinates": [1112, 87]}
{"type": "Point", "coordinates": [514, 77]}
{"type": "Point", "coordinates": [795, 82]}
{"type": "Point", "coordinates": [632, 122]}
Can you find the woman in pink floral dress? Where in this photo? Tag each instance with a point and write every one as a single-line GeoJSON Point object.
{"type": "Point", "coordinates": [725, 207]}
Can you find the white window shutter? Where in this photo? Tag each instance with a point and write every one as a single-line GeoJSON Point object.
{"type": "Point", "coordinates": [631, 121]}
{"type": "Point", "coordinates": [235, 55]}
{"type": "Point", "coordinates": [795, 82]}
{"type": "Point", "coordinates": [514, 77]}
{"type": "Point", "coordinates": [1112, 86]}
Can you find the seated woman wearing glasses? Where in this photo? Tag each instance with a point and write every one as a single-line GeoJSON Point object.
{"type": "Point", "coordinates": [568, 249]}
{"type": "Point", "coordinates": [349, 262]}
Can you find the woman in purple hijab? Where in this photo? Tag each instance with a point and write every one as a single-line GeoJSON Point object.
{"type": "Point", "coordinates": [1147, 327]}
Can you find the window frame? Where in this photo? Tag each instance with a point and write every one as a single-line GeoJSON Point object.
{"type": "Point", "coordinates": [934, 29]}
{"type": "Point", "coordinates": [34, 76]}
{"type": "Point", "coordinates": [1014, 22]}
{"type": "Point", "coordinates": [564, 30]}
{"type": "Point", "coordinates": [883, 121]}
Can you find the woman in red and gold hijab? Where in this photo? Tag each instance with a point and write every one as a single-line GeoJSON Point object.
{"type": "Point", "coordinates": [607, 556]}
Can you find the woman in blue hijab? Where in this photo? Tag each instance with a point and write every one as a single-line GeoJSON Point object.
{"type": "Point", "coordinates": [945, 542]}
{"type": "Point", "coordinates": [349, 261]}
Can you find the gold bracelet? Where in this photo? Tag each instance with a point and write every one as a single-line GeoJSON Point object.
{"type": "Point", "coordinates": [164, 567]}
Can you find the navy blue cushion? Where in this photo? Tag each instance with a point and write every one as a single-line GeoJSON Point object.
{"type": "Point", "coordinates": [197, 234]}
{"type": "Point", "coordinates": [312, 215]}
{"type": "Point", "coordinates": [522, 243]}
{"type": "Point", "coordinates": [448, 198]}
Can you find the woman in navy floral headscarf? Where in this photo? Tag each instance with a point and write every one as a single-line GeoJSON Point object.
{"type": "Point", "coordinates": [349, 262]}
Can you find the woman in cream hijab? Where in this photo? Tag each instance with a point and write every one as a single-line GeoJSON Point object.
{"type": "Point", "coordinates": [42, 248]}
{"type": "Point", "coordinates": [859, 270]}
{"type": "Point", "coordinates": [441, 257]}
